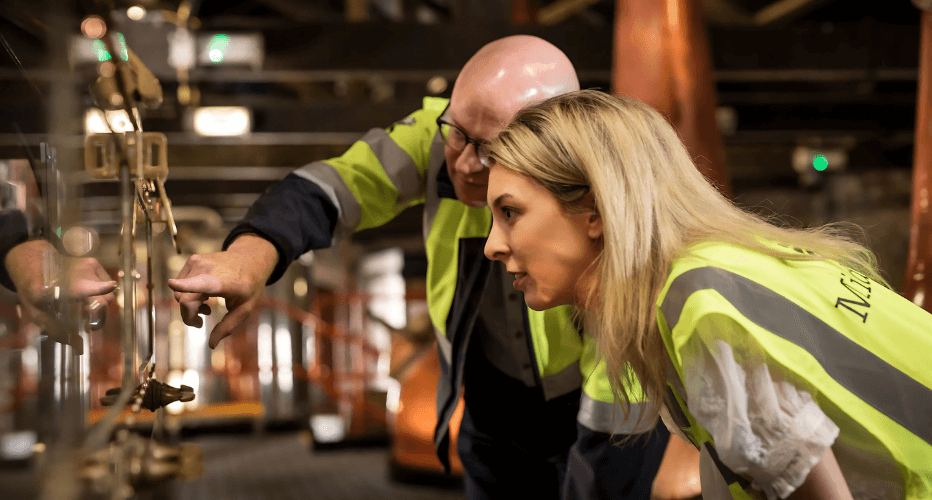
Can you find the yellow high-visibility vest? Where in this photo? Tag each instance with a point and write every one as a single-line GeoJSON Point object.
{"type": "Point", "coordinates": [863, 353]}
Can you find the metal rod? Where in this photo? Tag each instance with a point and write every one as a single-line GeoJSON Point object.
{"type": "Point", "coordinates": [150, 308]}
{"type": "Point", "coordinates": [128, 265]}
{"type": "Point", "coordinates": [101, 433]}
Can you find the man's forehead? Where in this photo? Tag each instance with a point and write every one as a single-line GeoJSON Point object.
{"type": "Point", "coordinates": [483, 114]}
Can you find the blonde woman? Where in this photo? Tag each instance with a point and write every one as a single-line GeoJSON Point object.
{"type": "Point", "coordinates": [780, 353]}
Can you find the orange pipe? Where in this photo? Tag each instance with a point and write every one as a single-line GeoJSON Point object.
{"type": "Point", "coordinates": [661, 56]}
{"type": "Point", "coordinates": [918, 282]}
{"type": "Point", "coordinates": [521, 12]}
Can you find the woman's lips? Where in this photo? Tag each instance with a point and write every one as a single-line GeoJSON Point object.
{"type": "Point", "coordinates": [520, 279]}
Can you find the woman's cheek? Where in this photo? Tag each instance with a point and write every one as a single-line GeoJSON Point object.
{"type": "Point", "coordinates": [541, 292]}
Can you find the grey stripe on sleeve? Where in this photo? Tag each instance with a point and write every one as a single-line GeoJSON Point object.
{"type": "Point", "coordinates": [398, 165]}
{"type": "Point", "coordinates": [602, 417]}
{"type": "Point", "coordinates": [325, 176]}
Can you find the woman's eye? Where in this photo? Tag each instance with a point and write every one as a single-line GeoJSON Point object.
{"type": "Point", "coordinates": [507, 212]}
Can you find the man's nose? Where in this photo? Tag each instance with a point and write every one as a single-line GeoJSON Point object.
{"type": "Point", "coordinates": [495, 247]}
{"type": "Point", "coordinates": [468, 162]}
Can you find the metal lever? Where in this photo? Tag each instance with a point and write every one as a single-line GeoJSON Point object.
{"type": "Point", "coordinates": [136, 79]}
{"type": "Point", "coordinates": [156, 395]}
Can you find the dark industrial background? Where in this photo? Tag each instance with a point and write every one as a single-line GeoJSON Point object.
{"type": "Point", "coordinates": [791, 78]}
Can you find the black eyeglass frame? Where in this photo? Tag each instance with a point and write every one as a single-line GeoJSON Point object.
{"type": "Point", "coordinates": [481, 154]}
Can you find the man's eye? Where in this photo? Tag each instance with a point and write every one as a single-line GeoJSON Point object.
{"type": "Point", "coordinates": [507, 212]}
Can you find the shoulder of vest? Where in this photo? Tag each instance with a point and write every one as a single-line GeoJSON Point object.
{"type": "Point", "coordinates": [734, 259]}
{"type": "Point", "coordinates": [435, 104]}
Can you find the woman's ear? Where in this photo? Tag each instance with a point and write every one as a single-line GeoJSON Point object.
{"type": "Point", "coordinates": [594, 225]}
{"type": "Point", "coordinates": [594, 221]}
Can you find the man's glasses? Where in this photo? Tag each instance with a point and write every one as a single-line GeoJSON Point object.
{"type": "Point", "coordinates": [458, 140]}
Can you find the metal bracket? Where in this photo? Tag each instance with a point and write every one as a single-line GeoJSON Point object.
{"type": "Point", "coordinates": [147, 151]}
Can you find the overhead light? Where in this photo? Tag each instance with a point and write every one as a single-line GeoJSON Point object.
{"type": "Point", "coordinates": [136, 12]}
{"type": "Point", "coordinates": [300, 287]}
{"type": "Point", "coordinates": [93, 27]}
{"type": "Point", "coordinates": [437, 85]}
{"type": "Point", "coordinates": [328, 428]}
{"type": "Point", "coordinates": [726, 117]}
{"type": "Point", "coordinates": [222, 121]}
{"type": "Point", "coordinates": [17, 445]}
{"type": "Point", "coordinates": [216, 47]}
{"type": "Point", "coordinates": [182, 48]}
{"type": "Point", "coordinates": [97, 121]}
{"type": "Point", "coordinates": [238, 49]}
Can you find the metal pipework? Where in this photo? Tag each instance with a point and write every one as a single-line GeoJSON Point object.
{"type": "Point", "coordinates": [101, 433]}
{"type": "Point", "coordinates": [143, 462]}
{"type": "Point", "coordinates": [139, 160]}
{"type": "Point", "coordinates": [152, 395]}
{"type": "Point", "coordinates": [661, 56]}
{"type": "Point", "coordinates": [918, 282]}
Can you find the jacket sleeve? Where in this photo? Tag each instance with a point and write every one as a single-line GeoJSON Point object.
{"type": "Point", "coordinates": [295, 215]}
{"type": "Point", "coordinates": [373, 181]}
{"type": "Point", "coordinates": [597, 466]}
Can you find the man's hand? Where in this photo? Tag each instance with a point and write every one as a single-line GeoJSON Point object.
{"type": "Point", "coordinates": [33, 267]}
{"type": "Point", "coordinates": [238, 275]}
{"type": "Point", "coordinates": [87, 280]}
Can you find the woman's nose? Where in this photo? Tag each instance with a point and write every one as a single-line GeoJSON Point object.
{"type": "Point", "coordinates": [495, 247]}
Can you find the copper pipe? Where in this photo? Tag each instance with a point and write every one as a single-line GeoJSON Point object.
{"type": "Point", "coordinates": [918, 282]}
{"type": "Point", "coordinates": [661, 56]}
{"type": "Point", "coordinates": [521, 12]}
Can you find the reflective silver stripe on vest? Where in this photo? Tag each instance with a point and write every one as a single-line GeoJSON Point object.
{"type": "Point", "coordinates": [851, 365]}
{"type": "Point", "coordinates": [565, 381]}
{"type": "Point", "coordinates": [446, 347]}
{"type": "Point", "coordinates": [328, 179]}
{"type": "Point", "coordinates": [397, 164]}
{"type": "Point", "coordinates": [604, 417]}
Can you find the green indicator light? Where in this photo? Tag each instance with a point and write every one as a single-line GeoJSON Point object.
{"type": "Point", "coordinates": [102, 54]}
{"type": "Point", "coordinates": [123, 55]}
{"type": "Point", "coordinates": [216, 47]}
{"type": "Point", "coordinates": [58, 232]}
{"type": "Point", "coordinates": [819, 162]}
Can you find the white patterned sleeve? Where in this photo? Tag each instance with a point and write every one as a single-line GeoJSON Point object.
{"type": "Point", "coordinates": [765, 429]}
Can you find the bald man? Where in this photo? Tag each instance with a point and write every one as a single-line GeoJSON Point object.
{"type": "Point", "coordinates": [539, 413]}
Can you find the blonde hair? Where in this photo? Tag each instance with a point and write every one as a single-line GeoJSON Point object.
{"type": "Point", "coordinates": [654, 203]}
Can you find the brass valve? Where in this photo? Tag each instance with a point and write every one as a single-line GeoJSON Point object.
{"type": "Point", "coordinates": [157, 395]}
